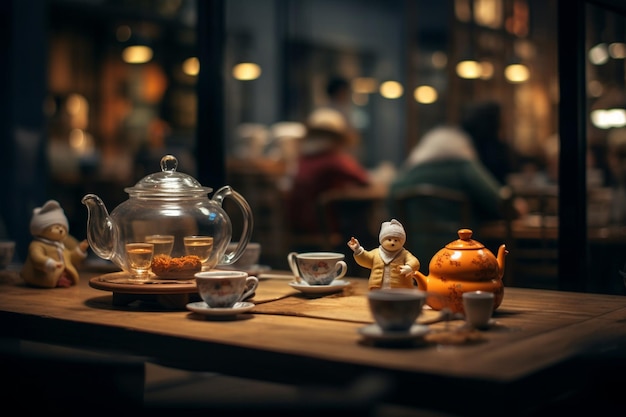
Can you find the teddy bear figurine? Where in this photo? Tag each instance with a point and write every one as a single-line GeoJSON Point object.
{"type": "Point", "coordinates": [391, 264]}
{"type": "Point", "coordinates": [50, 262]}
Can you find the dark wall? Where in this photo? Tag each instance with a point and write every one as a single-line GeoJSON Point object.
{"type": "Point", "coordinates": [23, 82]}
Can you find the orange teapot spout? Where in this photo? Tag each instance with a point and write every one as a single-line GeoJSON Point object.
{"type": "Point", "coordinates": [421, 280]}
{"type": "Point", "coordinates": [502, 252]}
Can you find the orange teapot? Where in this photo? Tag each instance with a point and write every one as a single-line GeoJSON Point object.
{"type": "Point", "coordinates": [461, 266]}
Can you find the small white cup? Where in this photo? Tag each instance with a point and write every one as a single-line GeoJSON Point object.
{"type": "Point", "coordinates": [317, 268]}
{"type": "Point", "coordinates": [222, 289]}
{"type": "Point", "coordinates": [478, 306]}
{"type": "Point", "coordinates": [250, 256]}
{"type": "Point", "coordinates": [396, 309]}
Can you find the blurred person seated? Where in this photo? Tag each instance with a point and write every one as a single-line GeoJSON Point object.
{"type": "Point", "coordinates": [324, 163]}
{"type": "Point", "coordinates": [445, 157]}
{"type": "Point", "coordinates": [482, 121]}
{"type": "Point", "coordinates": [339, 93]}
{"type": "Point", "coordinates": [616, 160]}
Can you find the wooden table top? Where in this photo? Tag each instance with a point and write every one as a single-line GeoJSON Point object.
{"type": "Point", "coordinates": [301, 339]}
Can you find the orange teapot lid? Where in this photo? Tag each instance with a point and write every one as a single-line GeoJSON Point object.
{"type": "Point", "coordinates": [465, 241]}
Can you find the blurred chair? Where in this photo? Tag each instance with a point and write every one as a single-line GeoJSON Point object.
{"type": "Point", "coordinates": [204, 393]}
{"type": "Point", "coordinates": [259, 182]}
{"type": "Point", "coordinates": [354, 211]}
{"type": "Point", "coordinates": [40, 377]}
{"type": "Point", "coordinates": [532, 241]}
{"type": "Point", "coordinates": [432, 216]}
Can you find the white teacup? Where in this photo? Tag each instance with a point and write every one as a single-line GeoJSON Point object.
{"type": "Point", "coordinates": [478, 306]}
{"type": "Point", "coordinates": [222, 289]}
{"type": "Point", "coordinates": [317, 268]}
{"type": "Point", "coordinates": [250, 256]}
{"type": "Point", "coordinates": [396, 309]}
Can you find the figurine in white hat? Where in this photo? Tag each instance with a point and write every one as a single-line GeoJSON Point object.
{"type": "Point", "coordinates": [391, 264]}
{"type": "Point", "coordinates": [50, 263]}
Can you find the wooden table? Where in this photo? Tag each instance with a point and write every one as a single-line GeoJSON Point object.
{"type": "Point", "coordinates": [543, 344]}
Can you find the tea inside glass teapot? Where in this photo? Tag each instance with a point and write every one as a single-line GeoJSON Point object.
{"type": "Point", "coordinates": [172, 211]}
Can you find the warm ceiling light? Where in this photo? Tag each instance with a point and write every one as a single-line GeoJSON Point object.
{"type": "Point", "coordinates": [608, 118]}
{"type": "Point", "coordinates": [517, 73]}
{"type": "Point", "coordinates": [191, 66]}
{"type": "Point", "coordinates": [486, 70]}
{"type": "Point", "coordinates": [391, 89]}
{"type": "Point", "coordinates": [617, 50]}
{"type": "Point", "coordinates": [364, 85]}
{"type": "Point", "coordinates": [137, 54]}
{"type": "Point", "coordinates": [246, 71]}
{"type": "Point", "coordinates": [488, 13]}
{"type": "Point", "coordinates": [425, 94]}
{"type": "Point", "coordinates": [599, 54]}
{"type": "Point", "coordinates": [468, 69]}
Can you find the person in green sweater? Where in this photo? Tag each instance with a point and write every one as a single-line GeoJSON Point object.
{"type": "Point", "coordinates": [445, 157]}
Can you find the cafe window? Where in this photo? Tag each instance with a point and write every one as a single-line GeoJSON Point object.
{"type": "Point", "coordinates": [268, 66]}
{"type": "Point", "coordinates": [605, 92]}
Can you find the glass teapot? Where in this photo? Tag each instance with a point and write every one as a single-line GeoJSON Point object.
{"type": "Point", "coordinates": [168, 203]}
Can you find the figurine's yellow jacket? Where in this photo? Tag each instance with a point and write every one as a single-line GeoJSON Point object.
{"type": "Point", "coordinates": [37, 270]}
{"type": "Point", "coordinates": [372, 260]}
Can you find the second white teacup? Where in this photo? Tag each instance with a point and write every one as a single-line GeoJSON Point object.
{"type": "Point", "coordinates": [222, 289]}
{"type": "Point", "coordinates": [478, 306]}
{"type": "Point", "coordinates": [396, 309]}
{"type": "Point", "coordinates": [317, 268]}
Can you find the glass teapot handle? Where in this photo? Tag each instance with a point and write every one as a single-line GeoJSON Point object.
{"type": "Point", "coordinates": [246, 232]}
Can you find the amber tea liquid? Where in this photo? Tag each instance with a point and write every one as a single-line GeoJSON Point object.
{"type": "Point", "coordinates": [139, 257]}
{"type": "Point", "coordinates": [163, 244]}
{"type": "Point", "coordinates": [200, 246]}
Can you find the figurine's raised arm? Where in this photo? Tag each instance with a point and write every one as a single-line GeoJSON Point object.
{"type": "Point", "coordinates": [353, 244]}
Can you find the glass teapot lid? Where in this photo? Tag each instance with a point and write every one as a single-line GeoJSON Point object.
{"type": "Point", "coordinates": [168, 183]}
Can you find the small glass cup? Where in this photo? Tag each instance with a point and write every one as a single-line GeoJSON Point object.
{"type": "Point", "coordinates": [139, 255]}
{"type": "Point", "coordinates": [200, 246]}
{"type": "Point", "coordinates": [163, 244]}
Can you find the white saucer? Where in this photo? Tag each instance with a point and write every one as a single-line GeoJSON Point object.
{"type": "Point", "coordinates": [374, 332]}
{"type": "Point", "coordinates": [201, 307]}
{"type": "Point", "coordinates": [335, 286]}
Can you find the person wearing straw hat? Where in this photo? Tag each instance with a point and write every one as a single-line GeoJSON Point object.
{"type": "Point", "coordinates": [49, 262]}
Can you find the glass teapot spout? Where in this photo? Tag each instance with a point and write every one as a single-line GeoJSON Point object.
{"type": "Point", "coordinates": [100, 230]}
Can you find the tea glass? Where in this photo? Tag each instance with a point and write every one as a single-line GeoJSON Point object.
{"type": "Point", "coordinates": [396, 309]}
{"type": "Point", "coordinates": [223, 289]}
{"type": "Point", "coordinates": [317, 268]}
{"type": "Point", "coordinates": [139, 255]}
{"type": "Point", "coordinates": [200, 246]}
{"type": "Point", "coordinates": [163, 244]}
